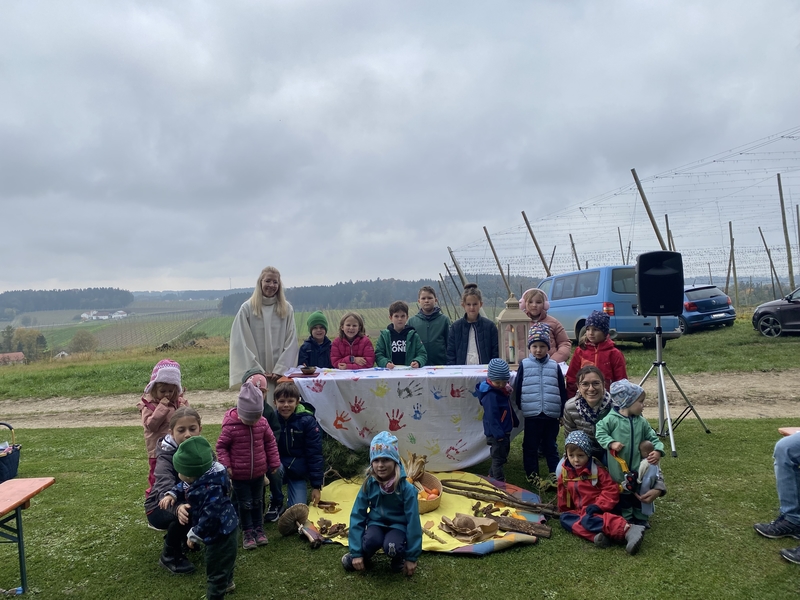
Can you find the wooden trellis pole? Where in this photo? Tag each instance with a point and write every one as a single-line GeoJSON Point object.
{"type": "Point", "coordinates": [771, 264]}
{"type": "Point", "coordinates": [458, 268]}
{"type": "Point", "coordinates": [497, 260]}
{"type": "Point", "coordinates": [446, 296]}
{"type": "Point", "coordinates": [552, 256]}
{"type": "Point", "coordinates": [535, 243]}
{"type": "Point", "coordinates": [453, 279]}
{"type": "Point", "coordinates": [647, 208]}
{"type": "Point", "coordinates": [621, 251]}
{"type": "Point", "coordinates": [670, 245]}
{"type": "Point", "coordinates": [733, 264]}
{"type": "Point", "coordinates": [710, 278]}
{"type": "Point", "coordinates": [786, 236]}
{"type": "Point", "coordinates": [574, 253]}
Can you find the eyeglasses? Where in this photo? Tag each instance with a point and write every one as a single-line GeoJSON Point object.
{"type": "Point", "coordinates": [594, 384]}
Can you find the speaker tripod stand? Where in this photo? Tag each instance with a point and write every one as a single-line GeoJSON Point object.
{"type": "Point", "coordinates": [665, 424]}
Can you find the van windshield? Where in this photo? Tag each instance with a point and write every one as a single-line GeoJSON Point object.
{"type": "Point", "coordinates": [623, 281]}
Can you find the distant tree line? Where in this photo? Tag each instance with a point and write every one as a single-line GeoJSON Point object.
{"type": "Point", "coordinates": [31, 342]}
{"type": "Point", "coordinates": [20, 301]}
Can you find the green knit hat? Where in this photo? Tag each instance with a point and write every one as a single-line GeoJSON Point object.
{"type": "Point", "coordinates": [193, 457]}
{"type": "Point", "coordinates": [317, 318]}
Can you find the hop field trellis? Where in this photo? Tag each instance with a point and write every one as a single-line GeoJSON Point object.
{"type": "Point", "coordinates": [699, 198]}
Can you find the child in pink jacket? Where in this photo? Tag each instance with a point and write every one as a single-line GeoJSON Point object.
{"type": "Point", "coordinates": [162, 396]}
{"type": "Point", "coordinates": [247, 448]}
{"type": "Point", "coordinates": [352, 349]}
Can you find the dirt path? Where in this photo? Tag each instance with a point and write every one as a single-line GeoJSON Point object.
{"type": "Point", "coordinates": [721, 395]}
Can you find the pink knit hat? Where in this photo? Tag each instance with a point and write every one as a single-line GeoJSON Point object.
{"type": "Point", "coordinates": [165, 371]}
{"type": "Point", "coordinates": [259, 381]}
{"type": "Point", "coordinates": [250, 404]}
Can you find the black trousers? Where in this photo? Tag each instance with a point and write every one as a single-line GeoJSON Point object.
{"type": "Point", "coordinates": [220, 560]}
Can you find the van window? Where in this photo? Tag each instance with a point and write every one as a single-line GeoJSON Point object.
{"type": "Point", "coordinates": [587, 284]}
{"type": "Point", "coordinates": [564, 287]}
{"type": "Point", "coordinates": [623, 281]}
{"type": "Point", "coordinates": [575, 286]}
{"type": "Point", "coordinates": [545, 287]}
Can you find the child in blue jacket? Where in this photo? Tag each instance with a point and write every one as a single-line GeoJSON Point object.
{"type": "Point", "coordinates": [499, 417]}
{"type": "Point", "coordinates": [316, 350]}
{"type": "Point", "coordinates": [386, 513]}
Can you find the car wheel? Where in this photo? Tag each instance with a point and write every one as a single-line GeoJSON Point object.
{"type": "Point", "coordinates": [769, 326]}
{"type": "Point", "coordinates": [683, 325]}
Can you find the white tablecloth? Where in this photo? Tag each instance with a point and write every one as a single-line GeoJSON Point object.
{"type": "Point", "coordinates": [433, 410]}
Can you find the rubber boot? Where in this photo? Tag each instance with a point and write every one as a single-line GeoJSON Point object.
{"type": "Point", "coordinates": [175, 563]}
{"type": "Point", "coordinates": [634, 537]}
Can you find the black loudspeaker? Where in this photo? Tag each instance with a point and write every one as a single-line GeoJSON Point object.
{"type": "Point", "coordinates": [659, 283]}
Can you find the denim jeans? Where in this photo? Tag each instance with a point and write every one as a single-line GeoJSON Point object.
{"type": "Point", "coordinates": [787, 476]}
{"type": "Point", "coordinates": [296, 489]}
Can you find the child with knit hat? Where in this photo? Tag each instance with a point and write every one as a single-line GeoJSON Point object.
{"type": "Point", "coordinates": [541, 395]}
{"type": "Point", "coordinates": [499, 417]}
{"type": "Point", "coordinates": [316, 350]}
{"type": "Point", "coordinates": [586, 496]}
{"type": "Point", "coordinates": [247, 448]}
{"type": "Point", "coordinates": [621, 432]}
{"type": "Point", "coordinates": [386, 513]}
{"type": "Point", "coordinates": [205, 487]}
{"type": "Point", "coordinates": [598, 349]}
{"type": "Point", "coordinates": [163, 395]}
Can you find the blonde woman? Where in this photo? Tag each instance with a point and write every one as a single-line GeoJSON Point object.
{"type": "Point", "coordinates": [263, 334]}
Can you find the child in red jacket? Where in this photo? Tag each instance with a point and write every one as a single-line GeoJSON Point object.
{"type": "Point", "coordinates": [598, 350]}
{"type": "Point", "coordinates": [247, 448]}
{"type": "Point", "coordinates": [586, 494]}
{"type": "Point", "coordinates": [352, 349]}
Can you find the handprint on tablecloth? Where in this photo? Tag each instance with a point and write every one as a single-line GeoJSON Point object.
{"type": "Point", "coordinates": [394, 420]}
{"type": "Point", "coordinates": [453, 451]}
{"type": "Point", "coordinates": [414, 388]}
{"type": "Point", "coordinates": [479, 416]}
{"type": "Point", "coordinates": [418, 412]}
{"type": "Point", "coordinates": [457, 392]}
{"type": "Point", "coordinates": [317, 385]}
{"type": "Point", "coordinates": [433, 447]}
{"type": "Point", "coordinates": [380, 389]}
{"type": "Point", "coordinates": [437, 393]}
{"type": "Point", "coordinates": [357, 405]}
{"type": "Point", "coordinates": [412, 439]}
{"type": "Point", "coordinates": [365, 431]}
{"type": "Point", "coordinates": [341, 419]}
{"type": "Point", "coordinates": [456, 419]}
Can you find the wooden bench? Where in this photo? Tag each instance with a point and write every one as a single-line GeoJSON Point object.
{"type": "Point", "coordinates": [16, 494]}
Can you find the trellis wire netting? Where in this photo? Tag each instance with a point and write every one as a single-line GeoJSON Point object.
{"type": "Point", "coordinates": [739, 186]}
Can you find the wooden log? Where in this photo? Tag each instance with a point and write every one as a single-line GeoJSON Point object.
{"type": "Point", "coordinates": [529, 527]}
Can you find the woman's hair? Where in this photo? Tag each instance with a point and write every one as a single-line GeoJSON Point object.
{"type": "Point", "coordinates": [281, 307]}
{"type": "Point", "coordinates": [184, 411]}
{"type": "Point", "coordinates": [357, 317]}
{"type": "Point", "coordinates": [426, 288]}
{"type": "Point", "coordinates": [471, 289]}
{"type": "Point", "coordinates": [590, 369]}
{"type": "Point", "coordinates": [369, 473]}
{"type": "Point", "coordinates": [287, 389]}
{"type": "Point", "coordinates": [532, 293]}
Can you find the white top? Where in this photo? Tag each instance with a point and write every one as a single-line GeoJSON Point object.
{"type": "Point", "coordinates": [472, 349]}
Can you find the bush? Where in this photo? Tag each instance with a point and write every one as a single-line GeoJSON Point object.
{"type": "Point", "coordinates": [83, 341]}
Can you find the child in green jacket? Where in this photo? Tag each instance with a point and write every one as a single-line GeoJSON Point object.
{"type": "Point", "coordinates": [620, 432]}
{"type": "Point", "coordinates": [399, 344]}
{"type": "Point", "coordinates": [432, 326]}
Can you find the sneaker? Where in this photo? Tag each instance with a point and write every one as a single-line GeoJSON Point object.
{"type": "Point", "coordinates": [601, 541]}
{"type": "Point", "coordinates": [177, 565]}
{"type": "Point", "coordinates": [634, 537]}
{"type": "Point", "coordinates": [273, 513]}
{"type": "Point", "coordinates": [249, 540]}
{"type": "Point", "coordinates": [779, 528]}
{"type": "Point", "coordinates": [791, 554]}
{"type": "Point", "coordinates": [231, 588]}
{"type": "Point", "coordinates": [347, 562]}
{"type": "Point", "coordinates": [261, 537]}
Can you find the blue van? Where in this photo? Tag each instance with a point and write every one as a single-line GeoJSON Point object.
{"type": "Point", "coordinates": [573, 296]}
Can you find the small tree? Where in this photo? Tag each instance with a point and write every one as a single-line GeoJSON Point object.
{"type": "Point", "coordinates": [25, 340]}
{"type": "Point", "coordinates": [7, 339]}
{"type": "Point", "coordinates": [83, 341]}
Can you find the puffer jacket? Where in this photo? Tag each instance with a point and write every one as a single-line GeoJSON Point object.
{"type": "Point", "coordinates": [540, 388]}
{"type": "Point", "coordinates": [247, 451]}
{"type": "Point", "coordinates": [485, 337]}
{"type": "Point", "coordinates": [343, 351]}
{"type": "Point", "coordinates": [605, 356]}
{"type": "Point", "coordinates": [300, 446]}
{"type": "Point", "coordinates": [155, 419]}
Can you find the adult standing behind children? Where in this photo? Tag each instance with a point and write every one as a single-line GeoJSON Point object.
{"type": "Point", "coordinates": [597, 349]}
{"type": "Point", "coordinates": [432, 326]}
{"type": "Point", "coordinates": [473, 338]}
{"type": "Point", "coordinates": [263, 333]}
{"type": "Point", "coordinates": [316, 350]}
{"type": "Point", "coordinates": [535, 304]}
{"type": "Point", "coordinates": [399, 344]}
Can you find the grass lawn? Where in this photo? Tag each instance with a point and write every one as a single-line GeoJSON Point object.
{"type": "Point", "coordinates": [86, 537]}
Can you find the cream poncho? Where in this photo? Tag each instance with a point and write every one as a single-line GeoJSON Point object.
{"type": "Point", "coordinates": [268, 341]}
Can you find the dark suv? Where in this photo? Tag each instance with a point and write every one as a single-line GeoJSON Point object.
{"type": "Point", "coordinates": [779, 316]}
{"type": "Point", "coordinates": [705, 306]}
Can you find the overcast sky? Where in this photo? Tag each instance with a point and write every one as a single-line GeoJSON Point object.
{"type": "Point", "coordinates": [185, 145]}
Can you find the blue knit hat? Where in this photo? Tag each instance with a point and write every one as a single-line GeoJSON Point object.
{"type": "Point", "coordinates": [540, 332]}
{"type": "Point", "coordinates": [624, 393]}
{"type": "Point", "coordinates": [598, 320]}
{"type": "Point", "coordinates": [579, 439]}
{"type": "Point", "coordinates": [498, 370]}
{"type": "Point", "coordinates": [384, 445]}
